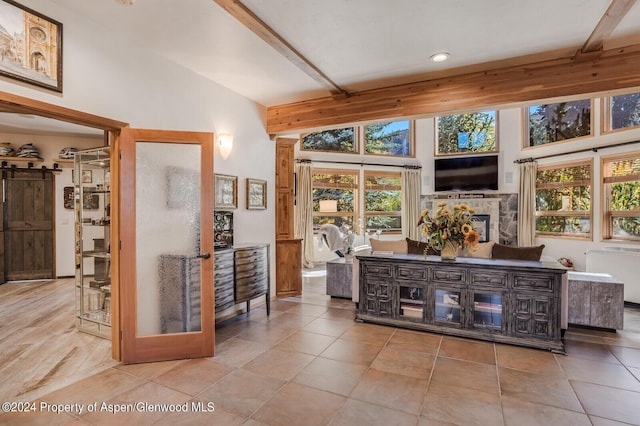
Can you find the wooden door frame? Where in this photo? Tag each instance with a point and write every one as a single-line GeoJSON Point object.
{"type": "Point", "coordinates": [18, 104]}
{"type": "Point", "coordinates": [161, 347]}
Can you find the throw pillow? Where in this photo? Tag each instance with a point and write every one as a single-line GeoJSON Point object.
{"type": "Point", "coordinates": [396, 246]}
{"type": "Point", "coordinates": [483, 251]}
{"type": "Point", "coordinates": [518, 253]}
{"type": "Point", "coordinates": [417, 247]}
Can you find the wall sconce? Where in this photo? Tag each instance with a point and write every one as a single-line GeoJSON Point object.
{"type": "Point", "coordinates": [328, 206]}
{"type": "Point", "coordinates": [225, 144]}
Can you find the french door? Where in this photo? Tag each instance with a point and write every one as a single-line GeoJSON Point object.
{"type": "Point", "coordinates": [166, 245]}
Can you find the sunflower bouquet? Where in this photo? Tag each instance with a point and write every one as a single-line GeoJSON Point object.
{"type": "Point", "coordinates": [449, 229]}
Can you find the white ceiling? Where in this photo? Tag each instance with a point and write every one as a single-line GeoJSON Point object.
{"type": "Point", "coordinates": [359, 44]}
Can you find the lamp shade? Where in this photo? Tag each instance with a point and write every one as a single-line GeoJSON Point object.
{"type": "Point", "coordinates": [328, 206]}
{"type": "Point", "coordinates": [225, 144]}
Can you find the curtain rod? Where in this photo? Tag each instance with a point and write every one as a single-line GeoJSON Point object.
{"type": "Point", "coordinates": [406, 166]}
{"type": "Point", "coordinates": [577, 151]}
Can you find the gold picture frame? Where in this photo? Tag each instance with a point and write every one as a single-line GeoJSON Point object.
{"type": "Point", "coordinates": [256, 194]}
{"type": "Point", "coordinates": [226, 192]}
{"type": "Point", "coordinates": [38, 61]}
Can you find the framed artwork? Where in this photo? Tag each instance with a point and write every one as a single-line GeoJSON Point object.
{"type": "Point", "coordinates": [87, 176]}
{"type": "Point", "coordinates": [481, 226]}
{"type": "Point", "coordinates": [256, 194]}
{"type": "Point", "coordinates": [226, 192]}
{"type": "Point", "coordinates": [68, 197]}
{"type": "Point", "coordinates": [91, 201]}
{"type": "Point", "coordinates": [31, 51]}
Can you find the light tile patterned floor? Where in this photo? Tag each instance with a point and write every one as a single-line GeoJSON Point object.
{"type": "Point", "coordinates": [309, 363]}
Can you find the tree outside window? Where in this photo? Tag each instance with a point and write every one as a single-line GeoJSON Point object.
{"type": "Point", "coordinates": [334, 140]}
{"type": "Point", "coordinates": [466, 133]}
{"type": "Point", "coordinates": [338, 185]}
{"type": "Point", "coordinates": [383, 200]}
{"type": "Point", "coordinates": [563, 200]}
{"type": "Point", "coordinates": [549, 123]}
{"type": "Point", "coordinates": [392, 138]}
{"type": "Point", "coordinates": [623, 111]}
{"type": "Point", "coordinates": [621, 180]}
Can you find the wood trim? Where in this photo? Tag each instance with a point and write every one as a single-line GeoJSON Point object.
{"type": "Point", "coordinates": [116, 348]}
{"type": "Point", "coordinates": [609, 21]}
{"type": "Point", "coordinates": [612, 70]}
{"type": "Point", "coordinates": [250, 20]}
{"type": "Point", "coordinates": [19, 104]}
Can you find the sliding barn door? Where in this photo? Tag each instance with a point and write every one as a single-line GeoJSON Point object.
{"type": "Point", "coordinates": [28, 224]}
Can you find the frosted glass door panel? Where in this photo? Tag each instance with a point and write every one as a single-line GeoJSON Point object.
{"type": "Point", "coordinates": [167, 238]}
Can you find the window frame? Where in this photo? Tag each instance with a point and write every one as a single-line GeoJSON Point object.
{"type": "Point", "coordinates": [365, 188]}
{"type": "Point", "coordinates": [412, 139]}
{"type": "Point", "coordinates": [356, 193]}
{"type": "Point", "coordinates": [525, 124]}
{"type": "Point", "coordinates": [570, 213]}
{"type": "Point", "coordinates": [605, 194]}
{"type": "Point", "coordinates": [467, 153]}
{"type": "Point", "coordinates": [605, 115]}
{"type": "Point", "coordinates": [356, 141]}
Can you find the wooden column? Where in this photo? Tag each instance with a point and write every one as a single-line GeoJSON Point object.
{"type": "Point", "coordinates": [288, 248]}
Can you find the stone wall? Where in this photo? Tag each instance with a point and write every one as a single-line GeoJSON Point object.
{"type": "Point", "coordinates": [505, 206]}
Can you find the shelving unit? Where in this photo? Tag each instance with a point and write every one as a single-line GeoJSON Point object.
{"type": "Point", "coordinates": [93, 247]}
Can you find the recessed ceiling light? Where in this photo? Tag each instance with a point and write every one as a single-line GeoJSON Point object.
{"type": "Point", "coordinates": [439, 57]}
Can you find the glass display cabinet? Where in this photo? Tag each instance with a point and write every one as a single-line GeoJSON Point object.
{"type": "Point", "coordinates": [92, 202]}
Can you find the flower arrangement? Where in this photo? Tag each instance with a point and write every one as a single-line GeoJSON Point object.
{"type": "Point", "coordinates": [448, 230]}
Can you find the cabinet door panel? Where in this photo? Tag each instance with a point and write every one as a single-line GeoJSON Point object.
{"type": "Point", "coordinates": [579, 302]}
{"type": "Point", "coordinates": [608, 312]}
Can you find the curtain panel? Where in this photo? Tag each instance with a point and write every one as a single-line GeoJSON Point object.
{"type": "Point", "coordinates": [303, 212]}
{"type": "Point", "coordinates": [411, 190]}
{"type": "Point", "coordinates": [527, 204]}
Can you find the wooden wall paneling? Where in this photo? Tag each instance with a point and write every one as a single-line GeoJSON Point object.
{"type": "Point", "coordinates": [288, 267]}
{"type": "Point", "coordinates": [610, 70]}
{"type": "Point", "coordinates": [288, 249]}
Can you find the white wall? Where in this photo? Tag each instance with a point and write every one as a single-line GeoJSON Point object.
{"type": "Point", "coordinates": [113, 78]}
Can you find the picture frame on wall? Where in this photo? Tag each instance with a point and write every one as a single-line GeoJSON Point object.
{"type": "Point", "coordinates": [32, 52]}
{"type": "Point", "coordinates": [68, 194]}
{"type": "Point", "coordinates": [91, 202]}
{"type": "Point", "coordinates": [87, 176]}
{"type": "Point", "coordinates": [256, 194]}
{"type": "Point", "coordinates": [226, 192]}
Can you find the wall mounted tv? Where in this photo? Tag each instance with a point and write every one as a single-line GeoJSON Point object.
{"type": "Point", "coordinates": [466, 173]}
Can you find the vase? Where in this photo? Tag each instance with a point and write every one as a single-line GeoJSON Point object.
{"type": "Point", "coordinates": [449, 251]}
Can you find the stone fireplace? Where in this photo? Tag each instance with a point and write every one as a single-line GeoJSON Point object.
{"type": "Point", "coordinates": [501, 210]}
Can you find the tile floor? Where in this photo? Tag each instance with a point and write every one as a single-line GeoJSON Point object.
{"type": "Point", "coordinates": [309, 363]}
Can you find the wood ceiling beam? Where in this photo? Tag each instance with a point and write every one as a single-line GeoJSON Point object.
{"type": "Point", "coordinates": [609, 21]}
{"type": "Point", "coordinates": [612, 70]}
{"type": "Point", "coordinates": [250, 20]}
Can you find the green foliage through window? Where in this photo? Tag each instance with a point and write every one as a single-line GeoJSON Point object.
{"type": "Point", "coordinates": [472, 132]}
{"type": "Point", "coordinates": [563, 200]}
{"type": "Point", "coordinates": [339, 140]}
{"type": "Point", "coordinates": [550, 123]}
{"type": "Point", "coordinates": [392, 138]}
{"type": "Point", "coordinates": [383, 201]}
{"type": "Point", "coordinates": [621, 177]}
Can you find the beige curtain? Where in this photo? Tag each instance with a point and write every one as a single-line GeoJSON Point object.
{"type": "Point", "coordinates": [527, 204]}
{"type": "Point", "coordinates": [411, 190]}
{"type": "Point", "coordinates": [303, 212]}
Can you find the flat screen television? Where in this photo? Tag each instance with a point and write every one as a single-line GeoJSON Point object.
{"type": "Point", "coordinates": [478, 173]}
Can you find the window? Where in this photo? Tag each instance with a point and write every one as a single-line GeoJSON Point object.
{"type": "Point", "coordinates": [558, 122]}
{"type": "Point", "coordinates": [393, 138]}
{"type": "Point", "coordinates": [340, 186]}
{"type": "Point", "coordinates": [335, 140]}
{"type": "Point", "coordinates": [383, 200]}
{"type": "Point", "coordinates": [563, 200]}
{"type": "Point", "coordinates": [622, 111]}
{"type": "Point", "coordinates": [621, 182]}
{"type": "Point", "coordinates": [466, 133]}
